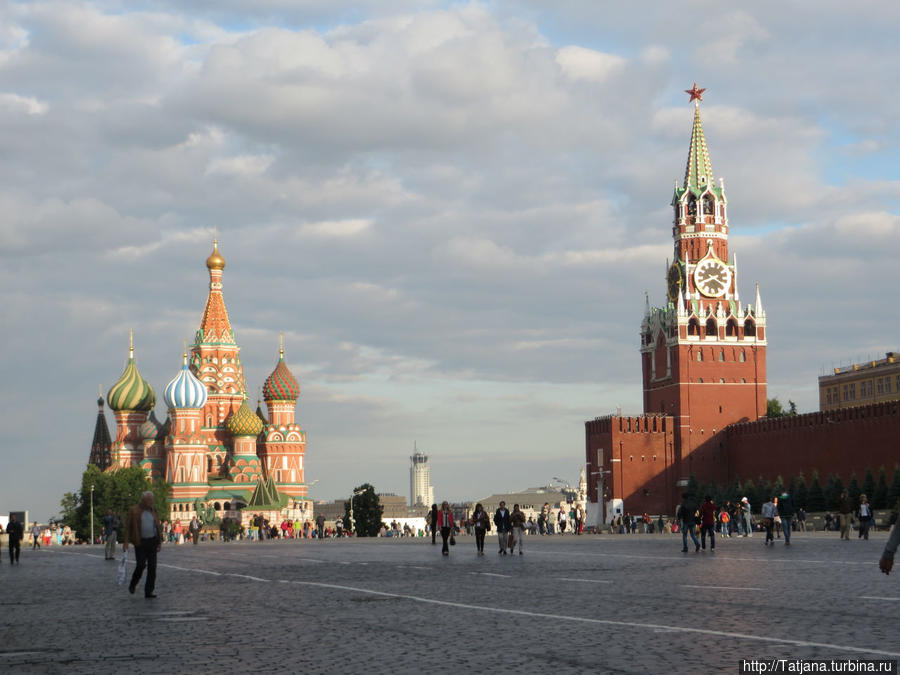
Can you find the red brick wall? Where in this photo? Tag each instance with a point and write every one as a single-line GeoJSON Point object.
{"type": "Point", "coordinates": [840, 442]}
{"type": "Point", "coordinates": [639, 453]}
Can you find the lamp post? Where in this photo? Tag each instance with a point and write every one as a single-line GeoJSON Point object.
{"type": "Point", "coordinates": [92, 515]}
{"type": "Point", "coordinates": [600, 501]}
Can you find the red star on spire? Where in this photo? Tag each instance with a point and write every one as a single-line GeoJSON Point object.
{"type": "Point", "coordinates": [696, 93]}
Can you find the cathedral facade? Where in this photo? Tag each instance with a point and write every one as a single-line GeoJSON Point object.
{"type": "Point", "coordinates": [218, 455]}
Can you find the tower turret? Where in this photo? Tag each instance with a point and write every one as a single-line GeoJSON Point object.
{"type": "Point", "coordinates": [130, 398]}
{"type": "Point", "coordinates": [101, 445]}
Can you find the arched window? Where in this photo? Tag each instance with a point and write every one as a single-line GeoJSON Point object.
{"type": "Point", "coordinates": [742, 357]}
{"type": "Point", "coordinates": [731, 328]}
{"type": "Point", "coordinates": [721, 355]}
{"type": "Point", "coordinates": [700, 354]}
{"type": "Point", "coordinates": [749, 328]}
{"type": "Point", "coordinates": [217, 506]}
{"type": "Point", "coordinates": [692, 206]}
{"type": "Point", "coordinates": [709, 208]}
{"type": "Point", "coordinates": [228, 506]}
{"type": "Point", "coordinates": [694, 327]}
{"type": "Point", "coordinates": [711, 328]}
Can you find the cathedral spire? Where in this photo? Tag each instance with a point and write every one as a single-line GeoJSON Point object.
{"type": "Point", "coordinates": [101, 455]}
{"type": "Point", "coordinates": [215, 326]}
{"type": "Point", "coordinates": [698, 174]}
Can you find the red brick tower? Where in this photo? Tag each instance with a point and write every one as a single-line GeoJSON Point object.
{"type": "Point", "coordinates": [284, 446]}
{"type": "Point", "coordinates": [704, 353]}
{"type": "Point", "coordinates": [215, 360]}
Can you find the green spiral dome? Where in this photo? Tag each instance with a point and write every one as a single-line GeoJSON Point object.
{"type": "Point", "coordinates": [131, 392]}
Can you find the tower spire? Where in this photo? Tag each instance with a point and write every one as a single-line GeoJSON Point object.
{"type": "Point", "coordinates": [215, 326]}
{"type": "Point", "coordinates": [131, 344]}
{"type": "Point", "coordinates": [698, 173]}
{"type": "Point", "coordinates": [281, 346]}
{"type": "Point", "coordinates": [758, 309]}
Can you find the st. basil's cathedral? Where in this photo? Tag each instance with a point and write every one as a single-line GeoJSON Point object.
{"type": "Point", "coordinates": [217, 454]}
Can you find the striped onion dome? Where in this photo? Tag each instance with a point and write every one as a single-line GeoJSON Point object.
{"type": "Point", "coordinates": [151, 428]}
{"type": "Point", "coordinates": [244, 422]}
{"type": "Point", "coordinates": [281, 385]}
{"type": "Point", "coordinates": [131, 391]}
{"type": "Point", "coordinates": [185, 390]}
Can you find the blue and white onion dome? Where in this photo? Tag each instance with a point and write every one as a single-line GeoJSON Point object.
{"type": "Point", "coordinates": [185, 390]}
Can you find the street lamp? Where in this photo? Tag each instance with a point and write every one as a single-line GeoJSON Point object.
{"type": "Point", "coordinates": [92, 515]}
{"type": "Point", "coordinates": [600, 501]}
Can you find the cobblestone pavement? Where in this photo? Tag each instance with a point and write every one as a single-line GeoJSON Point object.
{"type": "Point", "coordinates": [611, 604]}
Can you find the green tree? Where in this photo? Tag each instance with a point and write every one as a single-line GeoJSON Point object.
{"type": "Point", "coordinates": [117, 491]}
{"type": "Point", "coordinates": [815, 499]}
{"type": "Point", "coordinates": [894, 492]}
{"type": "Point", "coordinates": [868, 485]}
{"type": "Point", "coordinates": [880, 495]}
{"type": "Point", "coordinates": [749, 491]}
{"type": "Point", "coordinates": [778, 486]}
{"type": "Point", "coordinates": [837, 487]}
{"type": "Point", "coordinates": [792, 408]}
{"type": "Point", "coordinates": [763, 492]}
{"type": "Point", "coordinates": [774, 408]}
{"type": "Point", "coordinates": [68, 506]}
{"type": "Point", "coordinates": [367, 511]}
{"type": "Point", "coordinates": [801, 492]}
{"type": "Point", "coordinates": [853, 489]}
{"type": "Point", "coordinates": [693, 487]}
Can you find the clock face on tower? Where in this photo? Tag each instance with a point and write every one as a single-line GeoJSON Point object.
{"type": "Point", "coordinates": [673, 282]}
{"type": "Point", "coordinates": [712, 277]}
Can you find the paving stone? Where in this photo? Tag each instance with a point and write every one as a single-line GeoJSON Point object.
{"type": "Point", "coordinates": [612, 604]}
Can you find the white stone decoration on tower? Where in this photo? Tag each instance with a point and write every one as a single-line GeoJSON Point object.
{"type": "Point", "coordinates": [421, 492]}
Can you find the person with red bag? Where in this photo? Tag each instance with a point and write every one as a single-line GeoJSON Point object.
{"type": "Point", "coordinates": [446, 524]}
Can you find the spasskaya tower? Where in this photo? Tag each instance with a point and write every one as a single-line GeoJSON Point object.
{"type": "Point", "coordinates": [703, 352]}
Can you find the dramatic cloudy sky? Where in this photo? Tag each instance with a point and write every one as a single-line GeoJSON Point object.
{"type": "Point", "coordinates": [452, 210]}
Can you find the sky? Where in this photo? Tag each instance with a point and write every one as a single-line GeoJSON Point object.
{"type": "Point", "coordinates": [451, 210]}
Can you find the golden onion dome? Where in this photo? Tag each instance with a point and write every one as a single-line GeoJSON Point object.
{"type": "Point", "coordinates": [215, 261]}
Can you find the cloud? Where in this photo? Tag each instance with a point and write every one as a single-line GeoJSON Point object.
{"type": "Point", "coordinates": [578, 63]}
{"type": "Point", "coordinates": [22, 104]}
{"type": "Point", "coordinates": [452, 212]}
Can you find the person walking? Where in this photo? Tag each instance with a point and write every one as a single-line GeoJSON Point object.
{"type": "Point", "coordinates": [15, 531]}
{"type": "Point", "coordinates": [481, 523]}
{"type": "Point", "coordinates": [433, 523]}
{"type": "Point", "coordinates": [547, 513]}
{"type": "Point", "coordinates": [687, 515]}
{"type": "Point", "coordinates": [786, 511]}
{"type": "Point", "coordinates": [561, 519]}
{"type": "Point", "coordinates": [660, 524]}
{"type": "Point", "coordinates": [144, 531]}
{"type": "Point", "coordinates": [445, 522]}
{"type": "Point", "coordinates": [708, 523]}
{"type": "Point", "coordinates": [845, 508]}
{"type": "Point", "coordinates": [194, 529]}
{"type": "Point", "coordinates": [35, 536]}
{"type": "Point", "coordinates": [801, 520]}
{"type": "Point", "coordinates": [865, 517]}
{"type": "Point", "coordinates": [109, 535]}
{"type": "Point", "coordinates": [320, 526]}
{"type": "Point", "coordinates": [517, 521]}
{"type": "Point", "coordinates": [745, 512]}
{"type": "Point", "coordinates": [501, 521]}
{"type": "Point", "coordinates": [886, 563]}
{"type": "Point", "coordinates": [769, 511]}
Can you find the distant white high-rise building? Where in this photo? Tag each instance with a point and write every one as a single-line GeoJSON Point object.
{"type": "Point", "coordinates": [421, 492]}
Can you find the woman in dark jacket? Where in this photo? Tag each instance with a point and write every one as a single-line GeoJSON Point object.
{"type": "Point", "coordinates": [481, 523]}
{"type": "Point", "coordinates": [434, 525]}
